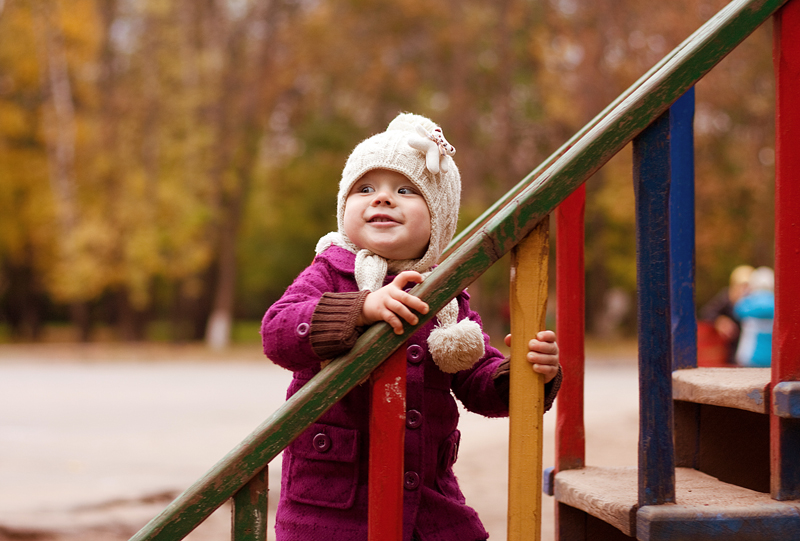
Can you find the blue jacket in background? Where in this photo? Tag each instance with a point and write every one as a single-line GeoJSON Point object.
{"type": "Point", "coordinates": [756, 312]}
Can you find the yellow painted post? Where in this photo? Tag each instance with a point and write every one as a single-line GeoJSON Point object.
{"type": "Point", "coordinates": [526, 403]}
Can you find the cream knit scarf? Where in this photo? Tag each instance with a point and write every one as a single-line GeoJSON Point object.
{"type": "Point", "coordinates": [454, 345]}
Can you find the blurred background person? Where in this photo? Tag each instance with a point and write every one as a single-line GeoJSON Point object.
{"type": "Point", "coordinates": [756, 311]}
{"type": "Point", "coordinates": [717, 317]}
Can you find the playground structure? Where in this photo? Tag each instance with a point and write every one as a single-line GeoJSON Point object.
{"type": "Point", "coordinates": [719, 449]}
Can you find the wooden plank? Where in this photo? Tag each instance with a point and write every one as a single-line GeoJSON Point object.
{"type": "Point", "coordinates": [609, 494]}
{"type": "Point", "coordinates": [528, 302]}
{"type": "Point", "coordinates": [707, 509]}
{"type": "Point", "coordinates": [696, 57]}
{"type": "Point", "coordinates": [249, 513]}
{"type": "Point", "coordinates": [387, 428]}
{"type": "Point", "coordinates": [717, 524]}
{"type": "Point", "coordinates": [651, 176]}
{"type": "Point", "coordinates": [570, 325]}
{"type": "Point", "coordinates": [785, 432]}
{"type": "Point", "coordinates": [681, 232]}
{"type": "Point", "coordinates": [704, 505]}
{"type": "Point", "coordinates": [741, 388]}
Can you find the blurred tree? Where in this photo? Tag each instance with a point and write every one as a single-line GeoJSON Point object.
{"type": "Point", "coordinates": [179, 160]}
{"type": "Point", "coordinates": [254, 74]}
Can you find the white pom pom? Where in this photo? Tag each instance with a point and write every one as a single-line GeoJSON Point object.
{"type": "Point", "coordinates": [456, 347]}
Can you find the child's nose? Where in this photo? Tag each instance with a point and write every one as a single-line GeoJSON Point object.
{"type": "Point", "coordinates": [383, 197]}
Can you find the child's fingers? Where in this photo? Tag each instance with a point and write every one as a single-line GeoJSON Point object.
{"type": "Point", "coordinates": [406, 298]}
{"type": "Point", "coordinates": [546, 336]}
{"type": "Point", "coordinates": [392, 312]}
{"type": "Point", "coordinates": [411, 301]}
{"type": "Point", "coordinates": [539, 346]}
{"type": "Point", "coordinates": [542, 358]}
{"type": "Point", "coordinates": [406, 277]}
{"type": "Point", "coordinates": [393, 321]}
{"type": "Point", "coordinates": [402, 311]}
{"type": "Point", "coordinates": [545, 368]}
{"type": "Point", "coordinates": [548, 371]}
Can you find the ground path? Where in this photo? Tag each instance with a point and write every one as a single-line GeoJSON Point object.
{"type": "Point", "coordinates": [96, 440]}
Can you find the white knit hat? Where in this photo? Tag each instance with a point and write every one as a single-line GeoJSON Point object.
{"type": "Point", "coordinates": [415, 147]}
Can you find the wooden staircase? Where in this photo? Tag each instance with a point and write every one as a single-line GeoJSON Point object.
{"type": "Point", "coordinates": [722, 476]}
{"type": "Point", "coordinates": [719, 449]}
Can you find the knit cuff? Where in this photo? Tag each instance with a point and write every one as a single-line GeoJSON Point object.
{"type": "Point", "coordinates": [502, 384]}
{"type": "Point", "coordinates": [333, 324]}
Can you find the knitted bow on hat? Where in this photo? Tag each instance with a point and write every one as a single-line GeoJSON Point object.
{"type": "Point", "coordinates": [435, 147]}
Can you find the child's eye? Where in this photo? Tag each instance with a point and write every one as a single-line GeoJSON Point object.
{"type": "Point", "coordinates": [406, 191]}
{"type": "Point", "coordinates": [366, 189]}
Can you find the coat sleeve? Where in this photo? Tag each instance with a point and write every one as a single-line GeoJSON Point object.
{"type": "Point", "coordinates": [475, 387]}
{"type": "Point", "coordinates": [484, 388]}
{"type": "Point", "coordinates": [286, 327]}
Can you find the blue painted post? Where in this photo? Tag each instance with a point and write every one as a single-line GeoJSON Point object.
{"type": "Point", "coordinates": [651, 182]}
{"type": "Point", "coordinates": [681, 231]}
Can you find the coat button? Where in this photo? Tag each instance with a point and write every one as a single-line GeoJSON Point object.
{"type": "Point", "coordinates": [414, 353]}
{"type": "Point", "coordinates": [413, 419]}
{"type": "Point", "coordinates": [322, 442]}
{"type": "Point", "coordinates": [411, 480]}
{"type": "Point", "coordinates": [302, 330]}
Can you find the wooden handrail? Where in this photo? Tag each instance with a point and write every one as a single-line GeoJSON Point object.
{"type": "Point", "coordinates": [500, 233]}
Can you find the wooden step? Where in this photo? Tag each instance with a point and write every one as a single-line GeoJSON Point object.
{"type": "Point", "coordinates": [741, 388]}
{"type": "Point", "coordinates": [705, 507]}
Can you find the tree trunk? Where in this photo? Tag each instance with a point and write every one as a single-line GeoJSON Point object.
{"type": "Point", "coordinates": [248, 68]}
{"type": "Point", "coordinates": [220, 322]}
{"type": "Point", "coordinates": [130, 321]}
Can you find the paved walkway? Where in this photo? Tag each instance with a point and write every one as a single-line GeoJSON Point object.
{"type": "Point", "coordinates": [95, 441]}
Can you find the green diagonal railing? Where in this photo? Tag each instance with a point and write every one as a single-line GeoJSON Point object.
{"type": "Point", "coordinates": [486, 241]}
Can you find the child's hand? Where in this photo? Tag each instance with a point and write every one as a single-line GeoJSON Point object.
{"type": "Point", "coordinates": [542, 354]}
{"type": "Point", "coordinates": [391, 301]}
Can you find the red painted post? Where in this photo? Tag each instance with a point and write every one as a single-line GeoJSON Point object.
{"type": "Point", "coordinates": [387, 424]}
{"type": "Point", "coordinates": [785, 433]}
{"type": "Point", "coordinates": [570, 317]}
{"type": "Point", "coordinates": [570, 326]}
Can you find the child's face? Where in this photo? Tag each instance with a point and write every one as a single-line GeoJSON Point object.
{"type": "Point", "coordinates": [385, 214]}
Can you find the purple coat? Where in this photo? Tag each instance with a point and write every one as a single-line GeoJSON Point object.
{"type": "Point", "coordinates": [324, 478]}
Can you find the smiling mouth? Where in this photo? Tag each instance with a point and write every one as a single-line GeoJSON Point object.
{"type": "Point", "coordinates": [381, 219]}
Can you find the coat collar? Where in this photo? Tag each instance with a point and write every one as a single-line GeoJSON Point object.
{"type": "Point", "coordinates": [340, 259]}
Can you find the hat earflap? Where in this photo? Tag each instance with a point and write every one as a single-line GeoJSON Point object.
{"type": "Point", "coordinates": [455, 345]}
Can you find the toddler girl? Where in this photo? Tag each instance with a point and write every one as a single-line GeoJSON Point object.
{"type": "Point", "coordinates": [397, 210]}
